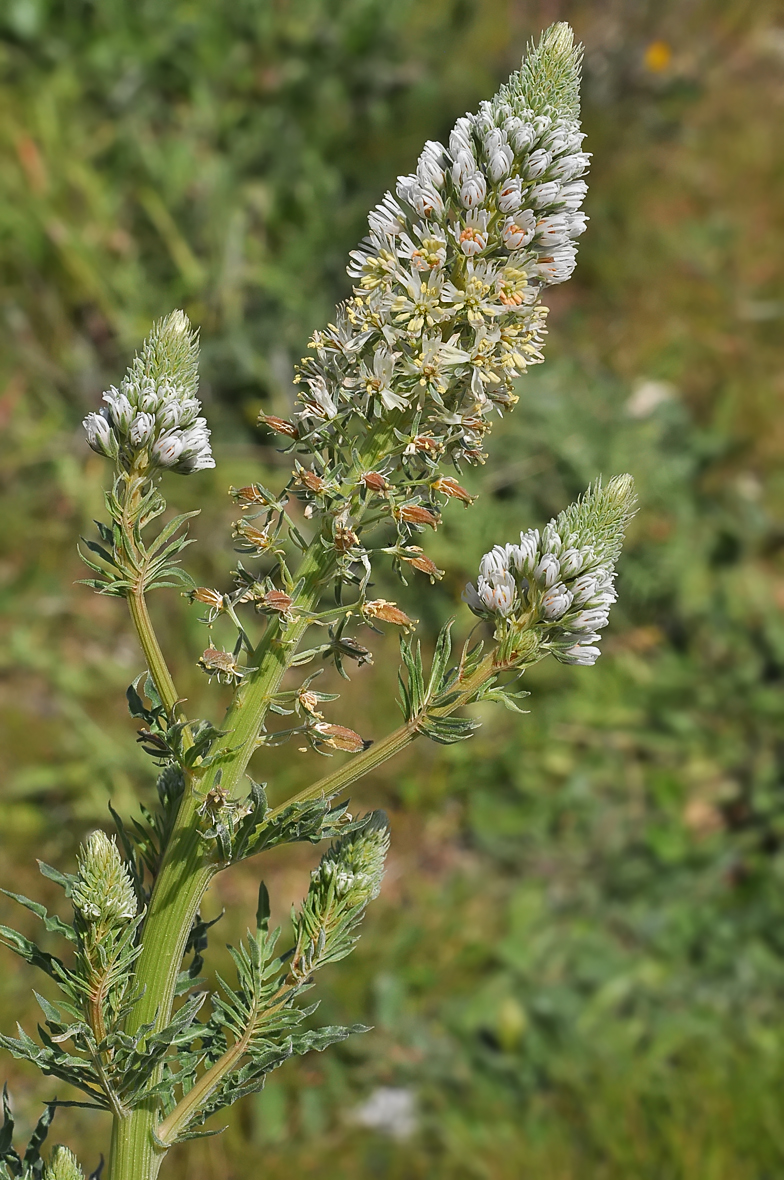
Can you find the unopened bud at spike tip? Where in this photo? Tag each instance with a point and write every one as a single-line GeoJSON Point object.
{"type": "Point", "coordinates": [63, 1165]}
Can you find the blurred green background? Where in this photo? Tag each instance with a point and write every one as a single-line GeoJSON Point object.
{"type": "Point", "coordinates": [576, 968]}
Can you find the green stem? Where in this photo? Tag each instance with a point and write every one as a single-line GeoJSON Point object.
{"type": "Point", "coordinates": [185, 870]}
{"type": "Point", "coordinates": [380, 752]}
{"type": "Point", "coordinates": [156, 662]}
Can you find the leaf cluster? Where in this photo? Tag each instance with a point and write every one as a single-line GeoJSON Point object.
{"type": "Point", "coordinates": [125, 562]}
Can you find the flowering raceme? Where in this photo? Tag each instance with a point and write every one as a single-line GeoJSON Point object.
{"type": "Point", "coordinates": [447, 311]}
{"type": "Point", "coordinates": [446, 315]}
{"type": "Point", "coordinates": [152, 419]}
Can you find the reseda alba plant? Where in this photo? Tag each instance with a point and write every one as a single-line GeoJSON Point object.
{"type": "Point", "coordinates": [396, 395]}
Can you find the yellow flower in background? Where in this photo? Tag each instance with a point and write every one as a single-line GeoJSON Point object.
{"type": "Point", "coordinates": [658, 56]}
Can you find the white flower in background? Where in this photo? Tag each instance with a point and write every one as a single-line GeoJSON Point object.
{"type": "Point", "coordinates": [152, 419]}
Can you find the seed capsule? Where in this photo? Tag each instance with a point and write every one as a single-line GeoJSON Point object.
{"type": "Point", "coordinates": [341, 738]}
{"type": "Point", "coordinates": [375, 481]}
{"type": "Point", "coordinates": [387, 612]}
{"type": "Point", "coordinates": [450, 487]}
{"type": "Point", "coordinates": [280, 425]}
{"type": "Point", "coordinates": [416, 514]}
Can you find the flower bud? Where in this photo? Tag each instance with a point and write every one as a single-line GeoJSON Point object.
{"type": "Point", "coordinates": [103, 893]}
{"type": "Point", "coordinates": [63, 1165]}
{"type": "Point", "coordinates": [141, 430]}
{"type": "Point", "coordinates": [100, 435]}
{"type": "Point", "coordinates": [473, 190]}
{"type": "Point", "coordinates": [167, 449]}
{"type": "Point", "coordinates": [120, 409]}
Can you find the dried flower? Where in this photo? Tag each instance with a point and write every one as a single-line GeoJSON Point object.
{"type": "Point", "coordinates": [416, 514]}
{"type": "Point", "coordinates": [451, 488]}
{"type": "Point", "coordinates": [222, 665]}
{"type": "Point", "coordinates": [375, 481]}
{"type": "Point", "coordinates": [387, 612]}
{"type": "Point", "coordinates": [340, 738]}
{"type": "Point", "coordinates": [280, 425]}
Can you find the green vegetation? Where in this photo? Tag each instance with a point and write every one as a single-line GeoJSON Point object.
{"type": "Point", "coordinates": [619, 1014]}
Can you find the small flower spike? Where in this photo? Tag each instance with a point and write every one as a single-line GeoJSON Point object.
{"type": "Point", "coordinates": [153, 420]}
{"type": "Point", "coordinates": [559, 583]}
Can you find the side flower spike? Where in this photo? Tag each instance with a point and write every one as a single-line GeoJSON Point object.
{"type": "Point", "coordinates": [559, 585]}
{"type": "Point", "coordinates": [152, 420]}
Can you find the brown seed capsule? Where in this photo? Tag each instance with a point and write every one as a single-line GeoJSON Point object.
{"type": "Point", "coordinates": [345, 538]}
{"type": "Point", "coordinates": [260, 539]}
{"type": "Point", "coordinates": [278, 600]}
{"type": "Point", "coordinates": [221, 664]}
{"type": "Point", "coordinates": [278, 424]}
{"type": "Point", "coordinates": [212, 598]}
{"type": "Point", "coordinates": [375, 481]}
{"type": "Point", "coordinates": [426, 444]}
{"type": "Point", "coordinates": [341, 738]}
{"type": "Point", "coordinates": [346, 646]}
{"type": "Point", "coordinates": [247, 496]}
{"type": "Point", "coordinates": [420, 561]}
{"type": "Point", "coordinates": [387, 612]}
{"type": "Point", "coordinates": [310, 480]}
{"type": "Point", "coordinates": [417, 514]}
{"type": "Point", "coordinates": [450, 487]}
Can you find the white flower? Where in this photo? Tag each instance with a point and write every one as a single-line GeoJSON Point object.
{"type": "Point", "coordinates": [537, 164]}
{"type": "Point", "coordinates": [472, 233]}
{"type": "Point", "coordinates": [430, 169]}
{"type": "Point", "coordinates": [473, 190]}
{"type": "Point", "coordinates": [551, 538]}
{"type": "Point", "coordinates": [544, 194]}
{"type": "Point", "coordinates": [499, 594]}
{"type": "Point", "coordinates": [524, 556]}
{"type": "Point", "coordinates": [460, 138]}
{"type": "Point", "coordinates": [472, 599]}
{"type": "Point", "coordinates": [387, 219]}
{"type": "Point", "coordinates": [142, 430]}
{"type": "Point", "coordinates": [170, 414]}
{"type": "Point", "coordinates": [121, 410]}
{"type": "Point", "coordinates": [322, 402]}
{"type": "Point", "coordinates": [100, 435]}
{"type": "Point", "coordinates": [420, 306]}
{"type": "Point", "coordinates": [519, 231]}
{"type": "Point", "coordinates": [547, 571]}
{"type": "Point", "coordinates": [590, 620]}
{"type": "Point", "coordinates": [510, 196]}
{"type": "Point", "coordinates": [521, 135]}
{"type": "Point", "coordinates": [558, 265]}
{"type": "Point", "coordinates": [494, 564]}
{"type": "Point", "coordinates": [579, 654]}
{"type": "Point", "coordinates": [572, 194]}
{"type": "Point", "coordinates": [556, 601]}
{"type": "Point", "coordinates": [378, 381]}
{"type": "Point", "coordinates": [167, 449]}
{"type": "Point", "coordinates": [431, 365]}
{"type": "Point", "coordinates": [499, 155]}
{"type": "Point", "coordinates": [571, 563]}
{"type": "Point", "coordinates": [574, 164]}
{"type": "Point", "coordinates": [430, 251]}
